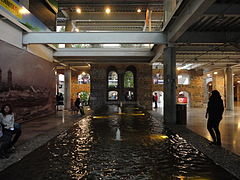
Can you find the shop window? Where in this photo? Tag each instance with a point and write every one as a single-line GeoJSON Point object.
{"type": "Point", "coordinates": [112, 95]}
{"type": "Point", "coordinates": [158, 79]}
{"type": "Point", "coordinates": [112, 79]}
{"type": "Point", "coordinates": [128, 79]}
{"type": "Point", "coordinates": [183, 79]}
{"type": "Point", "coordinates": [83, 78]}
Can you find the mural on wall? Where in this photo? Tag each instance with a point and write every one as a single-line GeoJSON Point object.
{"type": "Point", "coordinates": [27, 82]}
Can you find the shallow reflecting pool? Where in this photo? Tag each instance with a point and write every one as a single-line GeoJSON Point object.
{"type": "Point", "coordinates": [112, 145]}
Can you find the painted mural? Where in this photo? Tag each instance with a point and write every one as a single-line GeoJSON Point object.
{"type": "Point", "coordinates": [27, 82]}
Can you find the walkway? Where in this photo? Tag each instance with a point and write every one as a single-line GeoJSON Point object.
{"type": "Point", "coordinates": [229, 127]}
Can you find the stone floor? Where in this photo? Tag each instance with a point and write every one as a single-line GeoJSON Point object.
{"type": "Point", "coordinates": [229, 126]}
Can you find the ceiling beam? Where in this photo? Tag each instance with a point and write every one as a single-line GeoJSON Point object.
{"type": "Point", "coordinates": [158, 49]}
{"type": "Point", "coordinates": [94, 38]}
{"type": "Point", "coordinates": [228, 9]}
{"type": "Point", "coordinates": [114, 16]}
{"type": "Point", "coordinates": [111, 3]}
{"type": "Point", "coordinates": [106, 60]}
{"type": "Point", "coordinates": [102, 52]}
{"type": "Point", "coordinates": [189, 15]}
{"type": "Point", "coordinates": [209, 37]}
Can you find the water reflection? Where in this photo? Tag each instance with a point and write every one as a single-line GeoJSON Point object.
{"type": "Point", "coordinates": [147, 151]}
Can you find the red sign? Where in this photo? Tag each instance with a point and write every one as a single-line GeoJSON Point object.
{"type": "Point", "coordinates": [182, 100]}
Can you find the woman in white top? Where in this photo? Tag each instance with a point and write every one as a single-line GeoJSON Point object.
{"type": "Point", "coordinates": [7, 122]}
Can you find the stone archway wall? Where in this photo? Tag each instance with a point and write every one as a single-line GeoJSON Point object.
{"type": "Point", "coordinates": [143, 82]}
{"type": "Point", "coordinates": [196, 88]}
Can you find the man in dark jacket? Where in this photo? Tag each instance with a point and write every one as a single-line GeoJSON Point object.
{"type": "Point", "coordinates": [214, 114]}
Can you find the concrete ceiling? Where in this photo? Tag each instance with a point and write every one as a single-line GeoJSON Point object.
{"type": "Point", "coordinates": [214, 38]}
{"type": "Point", "coordinates": [209, 36]}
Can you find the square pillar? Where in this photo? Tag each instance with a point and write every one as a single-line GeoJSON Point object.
{"type": "Point", "coordinates": [67, 88]}
{"type": "Point", "coordinates": [229, 89]}
{"type": "Point", "coordinates": [170, 85]}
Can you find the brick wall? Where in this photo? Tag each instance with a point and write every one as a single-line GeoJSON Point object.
{"type": "Point", "coordinates": [99, 84]}
{"type": "Point", "coordinates": [196, 88]}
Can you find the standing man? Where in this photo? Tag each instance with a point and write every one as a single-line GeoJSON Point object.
{"type": "Point", "coordinates": [155, 100]}
{"type": "Point", "coordinates": [214, 114]}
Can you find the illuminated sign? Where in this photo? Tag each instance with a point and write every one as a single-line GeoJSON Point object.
{"type": "Point", "coordinates": [22, 15]}
{"type": "Point", "coordinates": [12, 7]}
{"type": "Point", "coordinates": [182, 100]}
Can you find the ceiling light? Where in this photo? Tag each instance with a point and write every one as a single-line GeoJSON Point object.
{"type": "Point", "coordinates": [108, 10]}
{"type": "Point", "coordinates": [139, 10]}
{"type": "Point", "coordinates": [78, 10]}
{"type": "Point", "coordinates": [215, 73]}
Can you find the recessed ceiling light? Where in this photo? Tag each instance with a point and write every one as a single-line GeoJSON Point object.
{"type": "Point", "coordinates": [108, 10]}
{"type": "Point", "coordinates": [215, 73]}
{"type": "Point", "coordinates": [78, 10]}
{"type": "Point", "coordinates": [139, 10]}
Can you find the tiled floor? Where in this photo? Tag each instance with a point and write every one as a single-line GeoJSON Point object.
{"type": "Point", "coordinates": [229, 126]}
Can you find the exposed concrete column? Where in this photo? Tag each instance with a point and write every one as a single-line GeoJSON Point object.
{"type": "Point", "coordinates": [57, 81]}
{"type": "Point", "coordinates": [67, 88]}
{"type": "Point", "coordinates": [229, 89]}
{"type": "Point", "coordinates": [238, 92]}
{"type": "Point", "coordinates": [69, 28]}
{"type": "Point", "coordinates": [170, 85]}
{"type": "Point", "coordinates": [25, 3]}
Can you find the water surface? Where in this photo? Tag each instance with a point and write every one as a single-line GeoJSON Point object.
{"type": "Point", "coordinates": [89, 151]}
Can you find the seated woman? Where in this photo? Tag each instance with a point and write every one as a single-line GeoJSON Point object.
{"type": "Point", "coordinates": [7, 122]}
